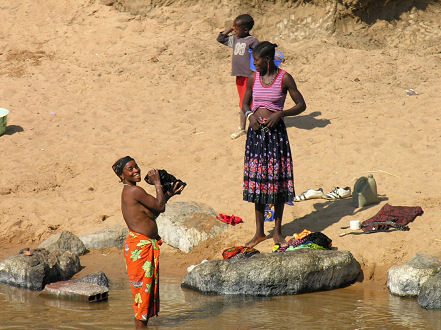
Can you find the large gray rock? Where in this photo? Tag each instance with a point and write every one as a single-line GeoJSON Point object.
{"type": "Point", "coordinates": [275, 274]}
{"type": "Point", "coordinates": [430, 293]}
{"type": "Point", "coordinates": [42, 267]}
{"type": "Point", "coordinates": [184, 225]}
{"type": "Point", "coordinates": [107, 238]}
{"type": "Point", "coordinates": [406, 280]}
{"type": "Point", "coordinates": [64, 241]}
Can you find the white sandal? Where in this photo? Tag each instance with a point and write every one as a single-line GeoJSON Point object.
{"type": "Point", "coordinates": [237, 134]}
{"type": "Point", "coordinates": [339, 193]}
{"type": "Point", "coordinates": [310, 194]}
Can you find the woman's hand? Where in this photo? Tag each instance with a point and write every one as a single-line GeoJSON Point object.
{"type": "Point", "coordinates": [154, 177]}
{"type": "Point", "coordinates": [176, 190]}
{"type": "Point", "coordinates": [273, 119]}
{"type": "Point", "coordinates": [254, 123]}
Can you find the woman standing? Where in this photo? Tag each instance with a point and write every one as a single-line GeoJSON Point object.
{"type": "Point", "coordinates": [268, 170]}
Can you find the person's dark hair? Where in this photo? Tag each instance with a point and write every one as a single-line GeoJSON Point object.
{"type": "Point", "coordinates": [119, 165]}
{"type": "Point", "coordinates": [265, 49]}
{"type": "Point", "coordinates": [245, 20]}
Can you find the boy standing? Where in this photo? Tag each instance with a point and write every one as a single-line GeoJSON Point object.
{"type": "Point", "coordinates": [141, 248]}
{"type": "Point", "coordinates": [241, 42]}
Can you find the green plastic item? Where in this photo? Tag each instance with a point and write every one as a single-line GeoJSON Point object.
{"type": "Point", "coordinates": [365, 191]}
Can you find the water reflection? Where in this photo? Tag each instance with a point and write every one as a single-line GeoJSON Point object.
{"type": "Point", "coordinates": [348, 308]}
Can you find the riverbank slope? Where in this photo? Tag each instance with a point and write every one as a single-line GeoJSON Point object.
{"type": "Point", "coordinates": [87, 83]}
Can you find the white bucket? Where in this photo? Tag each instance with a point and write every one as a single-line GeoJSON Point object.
{"type": "Point", "coordinates": [355, 224]}
{"type": "Point", "coordinates": [3, 120]}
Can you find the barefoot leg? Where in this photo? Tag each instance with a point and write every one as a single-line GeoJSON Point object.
{"type": "Point", "coordinates": [278, 214]}
{"type": "Point", "coordinates": [140, 324]}
{"type": "Point", "coordinates": [260, 217]}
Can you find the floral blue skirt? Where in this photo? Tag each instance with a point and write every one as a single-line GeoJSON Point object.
{"type": "Point", "coordinates": [268, 170]}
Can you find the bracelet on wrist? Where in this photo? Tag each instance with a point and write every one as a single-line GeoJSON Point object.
{"type": "Point", "coordinates": [248, 114]}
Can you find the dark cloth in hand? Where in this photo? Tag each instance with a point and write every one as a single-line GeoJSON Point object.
{"type": "Point", "coordinates": [167, 181]}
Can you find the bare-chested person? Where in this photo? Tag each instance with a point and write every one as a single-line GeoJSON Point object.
{"type": "Point", "coordinates": [141, 249]}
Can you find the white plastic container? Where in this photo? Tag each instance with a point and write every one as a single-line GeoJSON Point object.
{"type": "Point", "coordinates": [3, 120]}
{"type": "Point", "coordinates": [355, 224]}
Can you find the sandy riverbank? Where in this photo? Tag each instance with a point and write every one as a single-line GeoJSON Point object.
{"type": "Point", "coordinates": [87, 83]}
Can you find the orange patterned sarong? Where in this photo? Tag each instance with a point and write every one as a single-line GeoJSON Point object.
{"type": "Point", "coordinates": [142, 262]}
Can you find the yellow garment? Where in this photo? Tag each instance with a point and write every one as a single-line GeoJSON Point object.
{"type": "Point", "coordinates": [303, 234]}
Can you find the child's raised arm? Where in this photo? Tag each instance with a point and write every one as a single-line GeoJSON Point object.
{"type": "Point", "coordinates": [224, 37]}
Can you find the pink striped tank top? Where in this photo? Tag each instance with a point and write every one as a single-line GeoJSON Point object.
{"type": "Point", "coordinates": [271, 97]}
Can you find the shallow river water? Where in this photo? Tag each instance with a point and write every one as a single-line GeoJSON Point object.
{"type": "Point", "coordinates": [349, 308]}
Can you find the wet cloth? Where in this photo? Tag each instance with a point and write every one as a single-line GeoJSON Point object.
{"type": "Point", "coordinates": [391, 216]}
{"type": "Point", "coordinates": [142, 260]}
{"type": "Point", "coordinates": [268, 169]}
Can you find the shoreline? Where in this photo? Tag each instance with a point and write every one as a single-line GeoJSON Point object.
{"type": "Point", "coordinates": [142, 85]}
{"type": "Point", "coordinates": [174, 263]}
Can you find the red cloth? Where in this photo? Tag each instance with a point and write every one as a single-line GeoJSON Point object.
{"type": "Point", "coordinates": [400, 215]}
{"type": "Point", "coordinates": [241, 84]}
{"type": "Point", "coordinates": [229, 219]}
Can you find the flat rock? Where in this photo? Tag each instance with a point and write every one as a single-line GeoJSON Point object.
{"type": "Point", "coordinates": [184, 225]}
{"type": "Point", "coordinates": [286, 273]}
{"type": "Point", "coordinates": [41, 267]}
{"type": "Point", "coordinates": [98, 278]}
{"type": "Point", "coordinates": [406, 280]}
{"type": "Point", "coordinates": [107, 238]}
{"type": "Point", "coordinates": [430, 293]}
{"type": "Point", "coordinates": [64, 241]}
{"type": "Point", "coordinates": [78, 291]}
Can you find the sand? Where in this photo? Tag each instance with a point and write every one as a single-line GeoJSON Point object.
{"type": "Point", "coordinates": [87, 83]}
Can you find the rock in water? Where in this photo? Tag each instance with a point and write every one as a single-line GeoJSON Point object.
{"type": "Point", "coordinates": [430, 293]}
{"type": "Point", "coordinates": [275, 274]}
{"type": "Point", "coordinates": [184, 225]}
{"type": "Point", "coordinates": [98, 278]}
{"type": "Point", "coordinates": [78, 291]}
{"type": "Point", "coordinates": [36, 270]}
{"type": "Point", "coordinates": [406, 280]}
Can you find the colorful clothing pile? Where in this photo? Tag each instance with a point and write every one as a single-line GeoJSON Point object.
{"type": "Point", "coordinates": [239, 252]}
{"type": "Point", "coordinates": [315, 241]}
{"type": "Point", "coordinates": [389, 216]}
{"type": "Point", "coordinates": [303, 234]}
{"type": "Point", "coordinates": [142, 260]}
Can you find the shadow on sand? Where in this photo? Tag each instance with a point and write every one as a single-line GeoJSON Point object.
{"type": "Point", "coordinates": [326, 213]}
{"type": "Point", "coordinates": [12, 129]}
{"type": "Point", "coordinates": [307, 121]}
